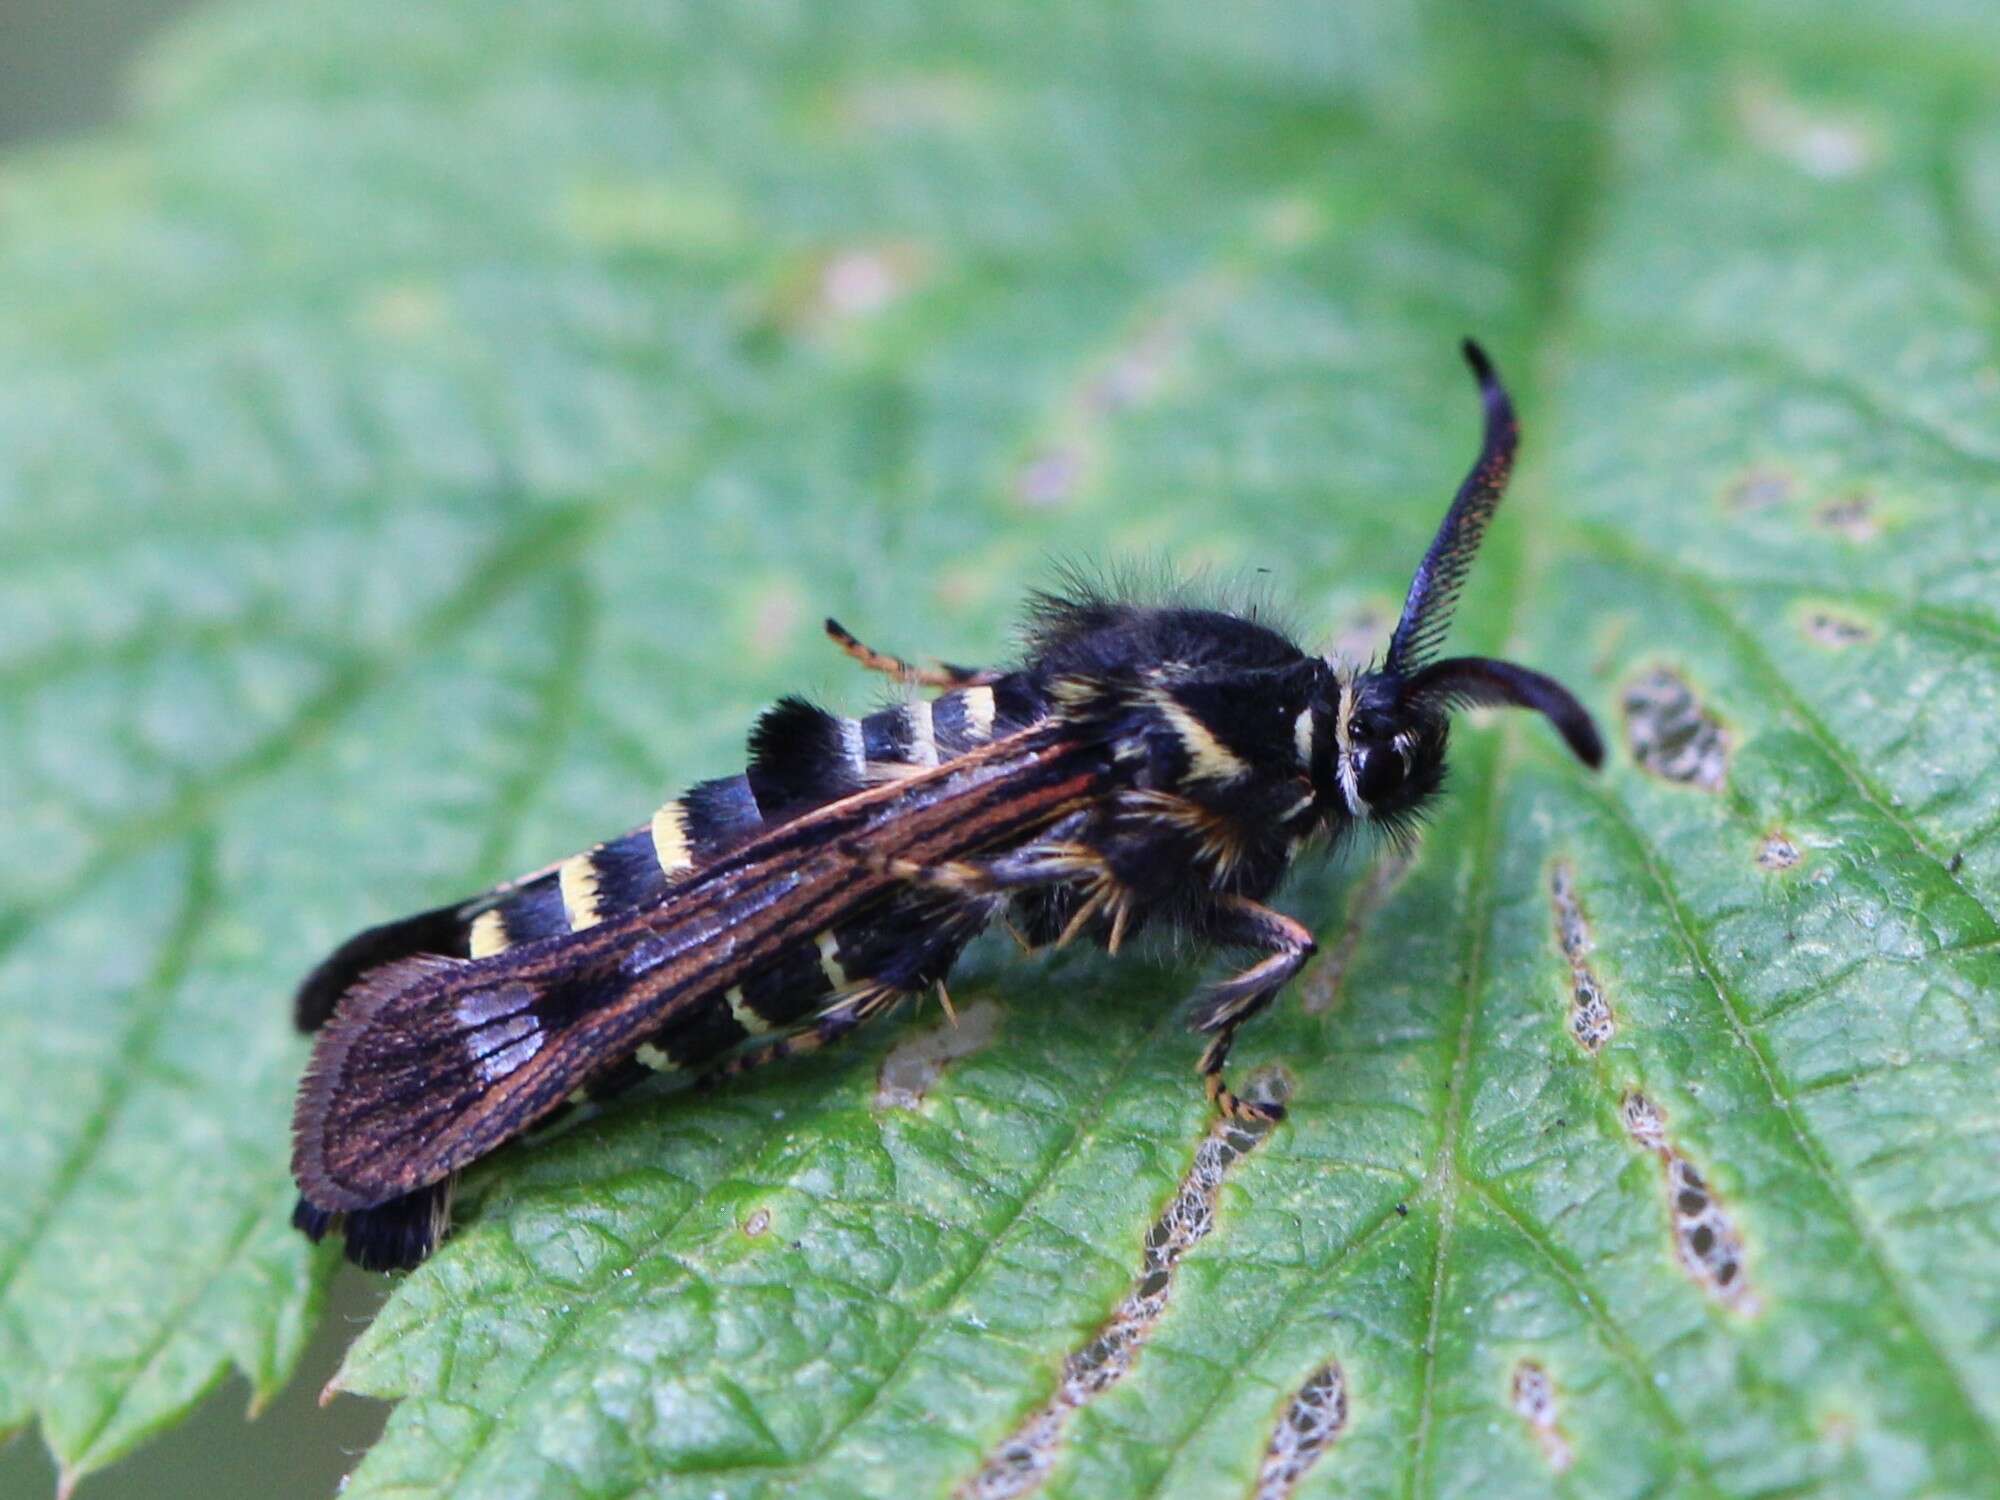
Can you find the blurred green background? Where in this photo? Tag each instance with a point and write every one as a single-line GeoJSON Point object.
{"type": "Point", "coordinates": [63, 66]}
{"type": "Point", "coordinates": [62, 62]}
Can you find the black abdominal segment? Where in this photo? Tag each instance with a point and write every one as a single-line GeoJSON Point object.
{"type": "Point", "coordinates": [803, 757]}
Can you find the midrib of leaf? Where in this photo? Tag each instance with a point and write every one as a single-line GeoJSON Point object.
{"type": "Point", "coordinates": [1565, 250]}
{"type": "Point", "coordinates": [1446, 1170]}
{"type": "Point", "coordinates": [1451, 1177]}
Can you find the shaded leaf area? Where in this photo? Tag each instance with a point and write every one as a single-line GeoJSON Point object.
{"type": "Point", "coordinates": [428, 439]}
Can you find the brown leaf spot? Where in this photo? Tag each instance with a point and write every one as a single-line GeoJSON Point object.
{"type": "Point", "coordinates": [1671, 735]}
{"type": "Point", "coordinates": [1590, 1018]}
{"type": "Point", "coordinates": [1851, 516]}
{"type": "Point", "coordinates": [1021, 1461]}
{"type": "Point", "coordinates": [913, 1066]}
{"type": "Point", "coordinates": [1777, 852]}
{"type": "Point", "coordinates": [1759, 488]}
{"type": "Point", "coordinates": [1312, 1422]}
{"type": "Point", "coordinates": [1835, 631]}
{"type": "Point", "coordinates": [1534, 1399]}
{"type": "Point", "coordinates": [1706, 1240]}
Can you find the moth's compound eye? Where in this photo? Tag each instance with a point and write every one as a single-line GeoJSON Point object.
{"type": "Point", "coordinates": [1378, 772]}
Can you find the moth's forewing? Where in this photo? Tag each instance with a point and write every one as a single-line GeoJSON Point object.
{"type": "Point", "coordinates": [429, 1063]}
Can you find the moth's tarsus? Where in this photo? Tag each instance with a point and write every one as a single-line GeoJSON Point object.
{"type": "Point", "coordinates": [1146, 764]}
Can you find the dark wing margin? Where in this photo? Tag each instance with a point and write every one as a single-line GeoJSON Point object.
{"type": "Point", "coordinates": [439, 931]}
{"type": "Point", "coordinates": [429, 1063]}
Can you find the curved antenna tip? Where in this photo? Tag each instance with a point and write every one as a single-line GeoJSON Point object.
{"type": "Point", "coordinates": [1585, 742]}
{"type": "Point", "coordinates": [1475, 356]}
{"type": "Point", "coordinates": [1468, 680]}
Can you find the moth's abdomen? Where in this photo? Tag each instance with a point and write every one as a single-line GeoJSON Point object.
{"type": "Point", "coordinates": [802, 757]}
{"type": "Point", "coordinates": [392, 1236]}
{"type": "Point", "coordinates": [901, 948]}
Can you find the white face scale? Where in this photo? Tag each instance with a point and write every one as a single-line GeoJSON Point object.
{"type": "Point", "coordinates": [1351, 757]}
{"type": "Point", "coordinates": [1343, 744]}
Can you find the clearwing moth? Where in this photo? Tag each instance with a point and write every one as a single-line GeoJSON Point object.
{"type": "Point", "coordinates": [1146, 765]}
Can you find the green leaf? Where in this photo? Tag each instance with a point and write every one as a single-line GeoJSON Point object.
{"type": "Point", "coordinates": [431, 432]}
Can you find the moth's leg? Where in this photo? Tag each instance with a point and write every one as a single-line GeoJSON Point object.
{"type": "Point", "coordinates": [1038, 864]}
{"type": "Point", "coordinates": [1057, 855]}
{"type": "Point", "coordinates": [943, 675]}
{"type": "Point", "coordinates": [830, 1025]}
{"type": "Point", "coordinates": [1227, 1004]}
{"type": "Point", "coordinates": [1052, 861]}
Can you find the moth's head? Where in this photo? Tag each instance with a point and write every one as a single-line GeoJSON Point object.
{"type": "Point", "coordinates": [1382, 755]}
{"type": "Point", "coordinates": [1380, 735]}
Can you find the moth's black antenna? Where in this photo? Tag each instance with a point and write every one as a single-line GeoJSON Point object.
{"type": "Point", "coordinates": [1433, 592]}
{"type": "Point", "coordinates": [1469, 681]}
